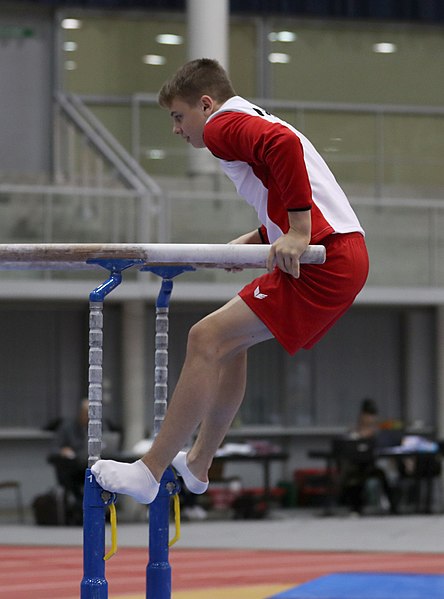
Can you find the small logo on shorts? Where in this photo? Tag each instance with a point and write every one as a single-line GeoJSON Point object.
{"type": "Point", "coordinates": [258, 294]}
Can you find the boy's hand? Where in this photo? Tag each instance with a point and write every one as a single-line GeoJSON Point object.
{"type": "Point", "coordinates": [285, 253]}
{"type": "Point", "coordinates": [287, 249]}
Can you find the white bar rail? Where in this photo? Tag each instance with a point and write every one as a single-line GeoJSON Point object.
{"type": "Point", "coordinates": [58, 256]}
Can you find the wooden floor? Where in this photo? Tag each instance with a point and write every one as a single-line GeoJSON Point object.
{"type": "Point", "coordinates": [55, 572]}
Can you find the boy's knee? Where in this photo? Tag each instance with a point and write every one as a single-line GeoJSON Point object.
{"type": "Point", "coordinates": [203, 339]}
{"type": "Point", "coordinates": [200, 334]}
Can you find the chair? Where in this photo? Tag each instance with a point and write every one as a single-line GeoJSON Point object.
{"type": "Point", "coordinates": [357, 469]}
{"type": "Point", "coordinates": [417, 477]}
{"type": "Point", "coordinates": [70, 474]}
{"type": "Point", "coordinates": [355, 450]}
{"type": "Point", "coordinates": [17, 487]}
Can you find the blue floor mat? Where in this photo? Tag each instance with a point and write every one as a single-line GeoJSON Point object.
{"type": "Point", "coordinates": [369, 586]}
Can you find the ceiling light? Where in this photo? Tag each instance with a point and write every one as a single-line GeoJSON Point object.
{"type": "Point", "coordinates": [156, 154]}
{"type": "Point", "coordinates": [70, 65]}
{"type": "Point", "coordinates": [154, 59]}
{"type": "Point", "coordinates": [70, 46]}
{"type": "Point", "coordinates": [384, 48]}
{"type": "Point", "coordinates": [279, 57]}
{"type": "Point", "coordinates": [71, 24]}
{"type": "Point", "coordinates": [282, 36]}
{"type": "Point", "coordinates": [170, 39]}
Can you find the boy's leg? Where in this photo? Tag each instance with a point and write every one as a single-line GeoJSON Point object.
{"type": "Point", "coordinates": [211, 384]}
{"type": "Point", "coordinates": [213, 375]}
{"type": "Point", "coordinates": [219, 417]}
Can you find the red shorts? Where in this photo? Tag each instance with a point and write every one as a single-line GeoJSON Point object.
{"type": "Point", "coordinates": [298, 312]}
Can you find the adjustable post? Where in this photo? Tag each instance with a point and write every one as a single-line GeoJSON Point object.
{"type": "Point", "coordinates": [96, 499]}
{"type": "Point", "coordinates": [158, 571]}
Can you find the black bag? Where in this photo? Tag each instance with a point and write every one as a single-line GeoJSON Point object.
{"type": "Point", "coordinates": [49, 509]}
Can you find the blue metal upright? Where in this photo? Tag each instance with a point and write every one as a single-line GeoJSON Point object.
{"type": "Point", "coordinates": [158, 571]}
{"type": "Point", "coordinates": [95, 499]}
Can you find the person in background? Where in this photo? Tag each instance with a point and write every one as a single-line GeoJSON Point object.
{"type": "Point", "coordinates": [69, 453]}
{"type": "Point", "coordinates": [367, 422]}
{"type": "Point", "coordinates": [71, 436]}
{"type": "Point", "coordinates": [356, 473]}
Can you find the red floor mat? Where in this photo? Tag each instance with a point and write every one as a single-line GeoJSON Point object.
{"type": "Point", "coordinates": [55, 572]}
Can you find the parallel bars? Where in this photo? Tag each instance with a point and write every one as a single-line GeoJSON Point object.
{"type": "Point", "coordinates": [167, 261]}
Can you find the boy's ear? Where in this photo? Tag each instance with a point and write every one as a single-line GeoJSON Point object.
{"type": "Point", "coordinates": [207, 103]}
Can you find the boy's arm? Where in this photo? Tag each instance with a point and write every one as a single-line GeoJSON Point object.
{"type": "Point", "coordinates": [251, 237]}
{"type": "Point", "coordinates": [286, 251]}
{"type": "Point", "coordinates": [271, 149]}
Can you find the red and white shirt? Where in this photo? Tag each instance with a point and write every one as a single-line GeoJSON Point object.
{"type": "Point", "coordinates": [276, 169]}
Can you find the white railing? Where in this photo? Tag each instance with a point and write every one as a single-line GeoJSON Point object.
{"type": "Point", "coordinates": [375, 150]}
{"type": "Point", "coordinates": [104, 195]}
{"type": "Point", "coordinates": [405, 237]}
{"type": "Point", "coordinates": [56, 213]}
{"type": "Point", "coordinates": [126, 169]}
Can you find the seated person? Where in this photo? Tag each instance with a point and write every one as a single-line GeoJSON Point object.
{"type": "Point", "coordinates": [367, 423]}
{"type": "Point", "coordinates": [69, 453]}
{"type": "Point", "coordinates": [356, 470]}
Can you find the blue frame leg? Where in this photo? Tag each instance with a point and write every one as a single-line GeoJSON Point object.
{"type": "Point", "coordinates": [94, 584]}
{"type": "Point", "coordinates": [95, 499]}
{"type": "Point", "coordinates": [158, 571]}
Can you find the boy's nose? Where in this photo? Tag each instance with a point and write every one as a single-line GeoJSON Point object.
{"type": "Point", "coordinates": [177, 130]}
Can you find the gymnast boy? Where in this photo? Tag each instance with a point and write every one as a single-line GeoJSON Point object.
{"type": "Point", "coordinates": [298, 201]}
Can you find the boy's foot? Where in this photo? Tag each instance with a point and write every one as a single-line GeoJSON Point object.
{"type": "Point", "coordinates": [133, 479]}
{"type": "Point", "coordinates": [192, 483]}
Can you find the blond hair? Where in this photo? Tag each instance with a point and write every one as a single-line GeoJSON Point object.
{"type": "Point", "coordinates": [203, 76]}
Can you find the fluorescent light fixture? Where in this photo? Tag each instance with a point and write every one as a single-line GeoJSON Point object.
{"type": "Point", "coordinates": [70, 46]}
{"type": "Point", "coordinates": [70, 65]}
{"type": "Point", "coordinates": [170, 39]}
{"type": "Point", "coordinates": [279, 57]}
{"type": "Point", "coordinates": [384, 48]}
{"type": "Point", "coordinates": [331, 149]}
{"type": "Point", "coordinates": [71, 24]}
{"type": "Point", "coordinates": [156, 154]}
{"type": "Point", "coordinates": [154, 59]}
{"type": "Point", "coordinates": [282, 36]}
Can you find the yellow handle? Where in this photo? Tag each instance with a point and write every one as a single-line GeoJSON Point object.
{"type": "Point", "coordinates": [113, 522]}
{"type": "Point", "coordinates": [176, 520]}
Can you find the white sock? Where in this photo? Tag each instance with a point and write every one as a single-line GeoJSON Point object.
{"type": "Point", "coordinates": [133, 479]}
{"type": "Point", "coordinates": [192, 483]}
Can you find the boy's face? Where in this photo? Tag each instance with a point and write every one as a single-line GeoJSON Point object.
{"type": "Point", "coordinates": [189, 121]}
